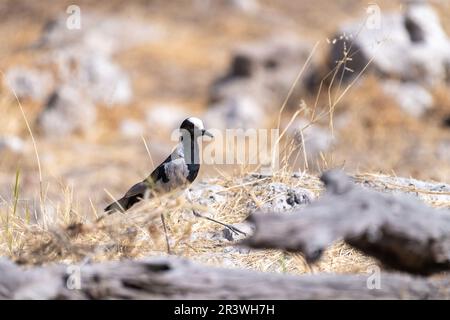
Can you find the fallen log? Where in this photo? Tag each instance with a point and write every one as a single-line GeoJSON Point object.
{"type": "Point", "coordinates": [399, 230]}
{"type": "Point", "coordinates": [174, 278]}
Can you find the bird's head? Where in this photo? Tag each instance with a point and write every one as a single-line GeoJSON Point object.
{"type": "Point", "coordinates": [194, 126]}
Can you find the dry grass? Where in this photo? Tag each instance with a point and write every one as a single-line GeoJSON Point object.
{"type": "Point", "coordinates": [70, 237]}
{"type": "Point", "coordinates": [76, 171]}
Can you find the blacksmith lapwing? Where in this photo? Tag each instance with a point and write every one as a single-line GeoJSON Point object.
{"type": "Point", "coordinates": [176, 172]}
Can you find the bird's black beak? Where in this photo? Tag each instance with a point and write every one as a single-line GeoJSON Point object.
{"type": "Point", "coordinates": [207, 133]}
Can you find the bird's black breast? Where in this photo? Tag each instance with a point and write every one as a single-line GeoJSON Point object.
{"type": "Point", "coordinates": [193, 169]}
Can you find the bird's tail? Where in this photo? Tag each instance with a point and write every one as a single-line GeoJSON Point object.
{"type": "Point", "coordinates": [123, 204]}
{"type": "Point", "coordinates": [117, 206]}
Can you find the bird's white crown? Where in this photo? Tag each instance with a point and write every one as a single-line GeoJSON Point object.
{"type": "Point", "coordinates": [196, 122]}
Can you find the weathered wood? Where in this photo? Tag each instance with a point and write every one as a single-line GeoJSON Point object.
{"type": "Point", "coordinates": [172, 278]}
{"type": "Point", "coordinates": [399, 230]}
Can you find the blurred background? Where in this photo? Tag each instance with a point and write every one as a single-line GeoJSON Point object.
{"type": "Point", "coordinates": [370, 86]}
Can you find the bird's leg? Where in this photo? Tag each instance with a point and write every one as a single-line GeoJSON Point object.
{"type": "Point", "coordinates": [165, 233]}
{"type": "Point", "coordinates": [233, 229]}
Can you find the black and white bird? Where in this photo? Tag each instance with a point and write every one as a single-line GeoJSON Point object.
{"type": "Point", "coordinates": [178, 171]}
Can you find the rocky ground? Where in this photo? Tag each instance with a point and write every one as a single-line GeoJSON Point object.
{"type": "Point", "coordinates": [368, 99]}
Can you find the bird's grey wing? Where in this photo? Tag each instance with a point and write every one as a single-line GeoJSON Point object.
{"type": "Point", "coordinates": [139, 190]}
{"type": "Point", "coordinates": [133, 195]}
{"type": "Point", "coordinates": [136, 190]}
{"type": "Point", "coordinates": [160, 172]}
{"type": "Point", "coordinates": [177, 172]}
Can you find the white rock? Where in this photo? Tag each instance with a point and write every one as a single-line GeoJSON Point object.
{"type": "Point", "coordinates": [235, 113]}
{"type": "Point", "coordinates": [11, 143]}
{"type": "Point", "coordinates": [248, 6]}
{"type": "Point", "coordinates": [100, 34]}
{"type": "Point", "coordinates": [443, 150]}
{"type": "Point", "coordinates": [208, 194]}
{"type": "Point", "coordinates": [166, 116]}
{"type": "Point", "coordinates": [413, 98]}
{"type": "Point", "coordinates": [131, 128]}
{"type": "Point", "coordinates": [264, 70]}
{"type": "Point", "coordinates": [412, 46]}
{"type": "Point", "coordinates": [97, 75]}
{"type": "Point", "coordinates": [283, 197]}
{"type": "Point", "coordinates": [103, 80]}
{"type": "Point", "coordinates": [424, 190]}
{"type": "Point", "coordinates": [229, 235]}
{"type": "Point", "coordinates": [83, 57]}
{"type": "Point", "coordinates": [314, 138]}
{"type": "Point", "coordinates": [235, 249]}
